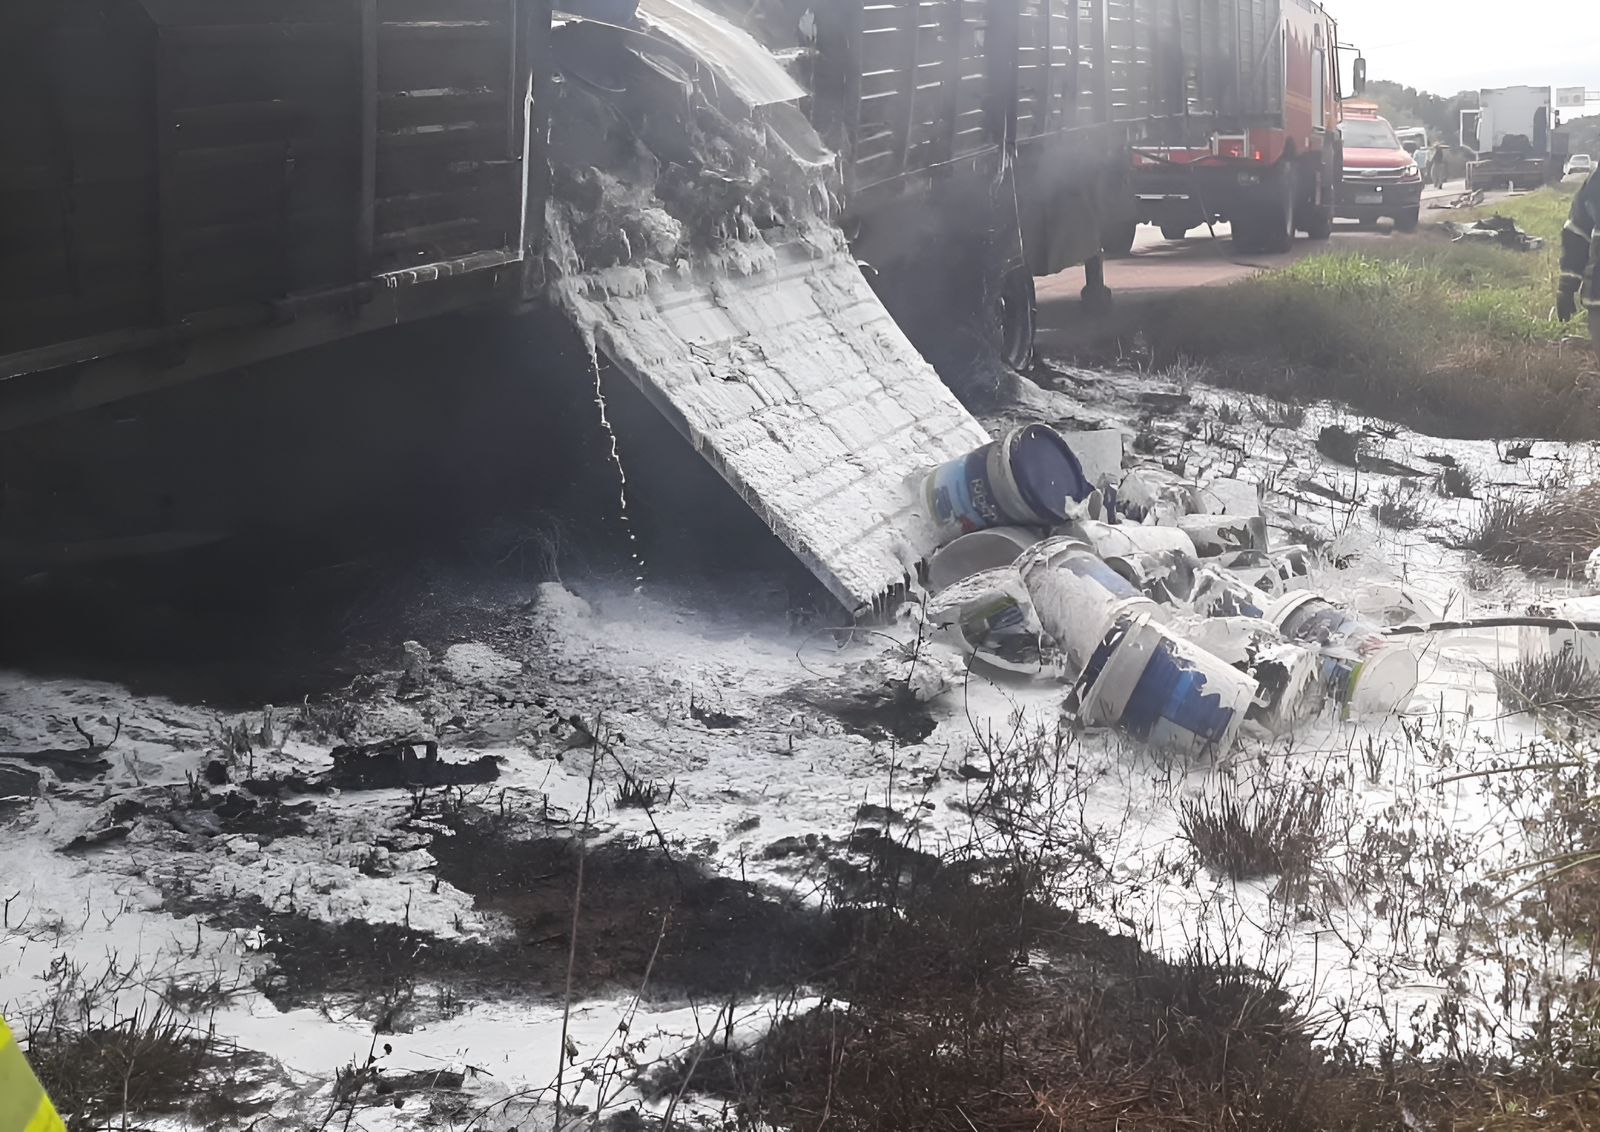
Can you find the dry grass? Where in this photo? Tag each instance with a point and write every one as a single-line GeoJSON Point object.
{"type": "Point", "coordinates": [149, 1063]}
{"type": "Point", "coordinates": [1561, 683]}
{"type": "Point", "coordinates": [1279, 831]}
{"type": "Point", "coordinates": [1456, 482]}
{"type": "Point", "coordinates": [1399, 507]}
{"type": "Point", "coordinates": [1555, 534]}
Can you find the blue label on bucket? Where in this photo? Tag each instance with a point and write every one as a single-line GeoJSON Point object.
{"type": "Point", "coordinates": [1171, 699]}
{"type": "Point", "coordinates": [960, 495]}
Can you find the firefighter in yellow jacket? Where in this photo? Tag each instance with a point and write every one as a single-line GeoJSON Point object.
{"type": "Point", "coordinates": [23, 1105]}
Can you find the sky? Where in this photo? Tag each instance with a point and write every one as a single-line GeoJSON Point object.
{"type": "Point", "coordinates": [1467, 44]}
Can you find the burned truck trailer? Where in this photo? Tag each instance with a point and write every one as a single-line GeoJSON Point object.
{"type": "Point", "coordinates": [1252, 136]}
{"type": "Point", "coordinates": [201, 185]}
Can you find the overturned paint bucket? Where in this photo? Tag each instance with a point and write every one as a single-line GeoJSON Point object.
{"type": "Point", "coordinates": [1167, 578]}
{"type": "Point", "coordinates": [1216, 535]}
{"type": "Point", "coordinates": [1219, 594]}
{"type": "Point", "coordinates": [1164, 691]}
{"type": "Point", "coordinates": [1126, 539]}
{"type": "Point", "coordinates": [1365, 672]}
{"type": "Point", "coordinates": [1026, 478]}
{"type": "Point", "coordinates": [990, 618]}
{"type": "Point", "coordinates": [977, 552]}
{"type": "Point", "coordinates": [1078, 597]}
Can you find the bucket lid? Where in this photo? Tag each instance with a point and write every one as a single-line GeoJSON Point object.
{"type": "Point", "coordinates": [1046, 472]}
{"type": "Point", "coordinates": [1278, 612]}
{"type": "Point", "coordinates": [1385, 682]}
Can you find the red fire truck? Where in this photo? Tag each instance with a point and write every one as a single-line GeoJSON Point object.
{"type": "Point", "coordinates": [1254, 136]}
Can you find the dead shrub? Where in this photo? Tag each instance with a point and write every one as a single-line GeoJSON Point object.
{"type": "Point", "coordinates": [1555, 534]}
{"type": "Point", "coordinates": [1457, 482]}
{"type": "Point", "coordinates": [1340, 445]}
{"type": "Point", "coordinates": [1279, 831]}
{"type": "Point", "coordinates": [151, 1062]}
{"type": "Point", "coordinates": [1399, 507]}
{"type": "Point", "coordinates": [1560, 683]}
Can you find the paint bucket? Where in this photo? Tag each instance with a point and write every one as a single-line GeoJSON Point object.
{"type": "Point", "coordinates": [990, 618]}
{"type": "Point", "coordinates": [1218, 594]}
{"type": "Point", "coordinates": [1226, 496]}
{"type": "Point", "coordinates": [1365, 672]}
{"type": "Point", "coordinates": [1125, 539]}
{"type": "Point", "coordinates": [1154, 493]}
{"type": "Point", "coordinates": [1163, 691]}
{"type": "Point", "coordinates": [1216, 535]}
{"type": "Point", "coordinates": [977, 552]}
{"type": "Point", "coordinates": [1167, 578]}
{"type": "Point", "coordinates": [1078, 597]}
{"type": "Point", "coordinates": [1026, 478]}
{"type": "Point", "coordinates": [1285, 672]}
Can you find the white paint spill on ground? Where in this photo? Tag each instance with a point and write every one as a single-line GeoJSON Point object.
{"type": "Point", "coordinates": [1380, 942]}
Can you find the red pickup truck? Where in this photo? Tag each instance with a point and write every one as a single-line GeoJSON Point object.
{"type": "Point", "coordinates": [1380, 178]}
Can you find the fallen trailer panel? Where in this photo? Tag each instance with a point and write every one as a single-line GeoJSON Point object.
{"type": "Point", "coordinates": [794, 383]}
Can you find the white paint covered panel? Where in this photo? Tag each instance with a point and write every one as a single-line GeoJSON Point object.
{"type": "Point", "coordinates": [796, 385]}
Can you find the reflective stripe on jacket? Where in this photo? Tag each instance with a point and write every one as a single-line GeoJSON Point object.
{"type": "Point", "coordinates": [23, 1105]}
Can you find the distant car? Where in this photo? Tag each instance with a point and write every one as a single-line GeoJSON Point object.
{"type": "Point", "coordinates": [1579, 163]}
{"type": "Point", "coordinates": [1380, 178]}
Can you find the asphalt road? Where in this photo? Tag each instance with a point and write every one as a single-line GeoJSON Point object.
{"type": "Point", "coordinates": [1159, 267]}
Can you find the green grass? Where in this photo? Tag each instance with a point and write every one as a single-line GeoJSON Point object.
{"type": "Point", "coordinates": [1453, 337]}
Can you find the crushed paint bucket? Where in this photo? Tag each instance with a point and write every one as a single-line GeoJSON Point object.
{"type": "Point", "coordinates": [1154, 493]}
{"type": "Point", "coordinates": [1078, 597]}
{"type": "Point", "coordinates": [1216, 535]}
{"type": "Point", "coordinates": [1164, 691]}
{"type": "Point", "coordinates": [1293, 565]}
{"type": "Point", "coordinates": [1028, 477]}
{"type": "Point", "coordinates": [990, 617]}
{"type": "Point", "coordinates": [1540, 643]}
{"type": "Point", "coordinates": [1227, 496]}
{"type": "Point", "coordinates": [1273, 574]}
{"type": "Point", "coordinates": [977, 552]}
{"type": "Point", "coordinates": [1167, 578]}
{"type": "Point", "coordinates": [1288, 692]}
{"type": "Point", "coordinates": [1365, 672]}
{"type": "Point", "coordinates": [1219, 594]}
{"type": "Point", "coordinates": [1125, 539]}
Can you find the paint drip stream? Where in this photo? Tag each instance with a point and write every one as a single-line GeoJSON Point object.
{"type": "Point", "coordinates": [616, 462]}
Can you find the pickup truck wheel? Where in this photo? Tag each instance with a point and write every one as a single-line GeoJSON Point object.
{"type": "Point", "coordinates": [1017, 319]}
{"type": "Point", "coordinates": [1408, 220]}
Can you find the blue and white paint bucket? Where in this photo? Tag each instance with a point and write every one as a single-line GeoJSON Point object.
{"type": "Point", "coordinates": [1165, 692]}
{"type": "Point", "coordinates": [1028, 477]}
{"type": "Point", "coordinates": [1078, 597]}
{"type": "Point", "coordinates": [1364, 671]}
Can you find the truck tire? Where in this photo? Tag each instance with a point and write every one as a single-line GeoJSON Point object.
{"type": "Point", "coordinates": [1117, 240]}
{"type": "Point", "coordinates": [1278, 221]}
{"type": "Point", "coordinates": [1174, 231]}
{"type": "Point", "coordinates": [1408, 220]}
{"type": "Point", "coordinates": [1018, 319]}
{"type": "Point", "coordinates": [1318, 222]}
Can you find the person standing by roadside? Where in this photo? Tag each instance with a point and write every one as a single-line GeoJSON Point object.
{"type": "Point", "coordinates": [1580, 251]}
{"type": "Point", "coordinates": [1436, 164]}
